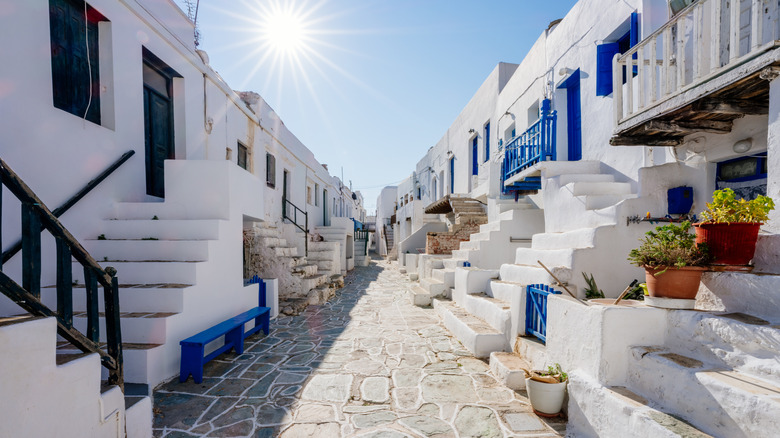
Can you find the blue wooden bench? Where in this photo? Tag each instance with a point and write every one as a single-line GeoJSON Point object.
{"type": "Point", "coordinates": [192, 348]}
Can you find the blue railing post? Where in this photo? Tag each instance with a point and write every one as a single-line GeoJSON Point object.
{"type": "Point", "coordinates": [536, 144]}
{"type": "Point", "coordinates": [536, 310]}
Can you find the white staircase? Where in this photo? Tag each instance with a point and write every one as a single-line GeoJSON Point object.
{"type": "Point", "coordinates": [54, 395]}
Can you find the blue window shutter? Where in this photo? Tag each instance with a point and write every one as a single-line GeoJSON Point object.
{"type": "Point", "coordinates": [604, 54]}
{"type": "Point", "coordinates": [634, 32]}
{"type": "Point", "coordinates": [487, 141]}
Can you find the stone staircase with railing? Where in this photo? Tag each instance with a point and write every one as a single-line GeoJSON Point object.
{"type": "Point", "coordinates": [303, 280]}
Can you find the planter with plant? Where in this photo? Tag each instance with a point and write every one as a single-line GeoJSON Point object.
{"type": "Point", "coordinates": [546, 390]}
{"type": "Point", "coordinates": [730, 226]}
{"type": "Point", "coordinates": [672, 260]}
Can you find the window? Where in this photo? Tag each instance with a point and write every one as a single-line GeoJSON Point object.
{"type": "Point", "coordinates": [605, 52]}
{"type": "Point", "coordinates": [316, 195]}
{"type": "Point", "coordinates": [74, 58]}
{"type": "Point", "coordinates": [270, 170]}
{"type": "Point", "coordinates": [474, 153]}
{"type": "Point", "coordinates": [533, 113]}
{"type": "Point", "coordinates": [487, 141]}
{"type": "Point", "coordinates": [747, 176]}
{"type": "Point", "coordinates": [242, 156]}
{"type": "Point", "coordinates": [308, 194]}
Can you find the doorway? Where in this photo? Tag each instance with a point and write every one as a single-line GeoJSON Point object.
{"type": "Point", "coordinates": [158, 121]}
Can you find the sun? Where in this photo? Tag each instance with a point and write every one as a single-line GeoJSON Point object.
{"type": "Point", "coordinates": [284, 31]}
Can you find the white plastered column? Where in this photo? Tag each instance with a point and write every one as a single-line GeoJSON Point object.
{"type": "Point", "coordinates": [767, 257]}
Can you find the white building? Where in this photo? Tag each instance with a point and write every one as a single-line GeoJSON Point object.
{"type": "Point", "coordinates": [85, 84]}
{"type": "Point", "coordinates": [590, 142]}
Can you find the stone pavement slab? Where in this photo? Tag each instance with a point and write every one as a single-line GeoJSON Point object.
{"type": "Point", "coordinates": [366, 364]}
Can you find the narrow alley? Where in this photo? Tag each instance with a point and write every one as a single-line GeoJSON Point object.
{"type": "Point", "coordinates": [367, 363]}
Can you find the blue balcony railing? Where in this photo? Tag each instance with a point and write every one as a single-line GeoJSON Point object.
{"type": "Point", "coordinates": [536, 144]}
{"type": "Point", "coordinates": [536, 309]}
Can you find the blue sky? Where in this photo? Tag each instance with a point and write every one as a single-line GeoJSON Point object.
{"type": "Point", "coordinates": [380, 80]}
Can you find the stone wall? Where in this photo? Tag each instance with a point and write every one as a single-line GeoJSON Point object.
{"type": "Point", "coordinates": [446, 242]}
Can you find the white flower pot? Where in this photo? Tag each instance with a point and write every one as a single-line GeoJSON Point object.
{"type": "Point", "coordinates": [546, 398]}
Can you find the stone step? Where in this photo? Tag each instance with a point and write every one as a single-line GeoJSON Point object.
{"type": "Point", "coordinates": [596, 202]}
{"type": "Point", "coordinates": [528, 274]}
{"type": "Point", "coordinates": [509, 369]}
{"type": "Point", "coordinates": [452, 263]}
{"type": "Point", "coordinates": [143, 363]}
{"type": "Point", "coordinates": [563, 258]}
{"type": "Point", "coordinates": [172, 229]}
{"type": "Point", "coordinates": [132, 297]}
{"type": "Point", "coordinates": [268, 232]}
{"type": "Point", "coordinates": [446, 276]}
{"type": "Point", "coordinates": [470, 244]}
{"type": "Point", "coordinates": [505, 290]}
{"type": "Point", "coordinates": [532, 350]}
{"type": "Point", "coordinates": [137, 327]}
{"type": "Point", "coordinates": [556, 168]}
{"type": "Point", "coordinates": [581, 238]}
{"type": "Point", "coordinates": [598, 188]}
{"type": "Point", "coordinates": [138, 250]}
{"type": "Point", "coordinates": [420, 296]}
{"type": "Point", "coordinates": [273, 242]}
{"type": "Point", "coordinates": [616, 411]}
{"type": "Point", "coordinates": [701, 393]}
{"type": "Point", "coordinates": [321, 246]}
{"type": "Point", "coordinates": [476, 335]}
{"type": "Point", "coordinates": [495, 312]}
{"type": "Point", "coordinates": [281, 251]}
{"type": "Point", "coordinates": [313, 281]}
{"type": "Point", "coordinates": [147, 272]}
{"type": "Point", "coordinates": [323, 265]}
{"type": "Point", "coordinates": [754, 294]}
{"type": "Point", "coordinates": [585, 177]}
{"type": "Point", "coordinates": [433, 286]}
{"type": "Point", "coordinates": [306, 270]}
{"type": "Point", "coordinates": [730, 340]}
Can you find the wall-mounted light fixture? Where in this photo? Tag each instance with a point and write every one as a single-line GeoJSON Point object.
{"type": "Point", "coordinates": [471, 131]}
{"type": "Point", "coordinates": [449, 154]}
{"type": "Point", "coordinates": [743, 145]}
{"type": "Point", "coordinates": [565, 71]}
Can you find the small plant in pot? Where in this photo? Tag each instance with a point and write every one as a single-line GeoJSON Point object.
{"type": "Point", "coordinates": [730, 226]}
{"type": "Point", "coordinates": [546, 390]}
{"type": "Point", "coordinates": [672, 260]}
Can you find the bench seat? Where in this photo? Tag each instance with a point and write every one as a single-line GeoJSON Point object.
{"type": "Point", "coordinates": [192, 348]}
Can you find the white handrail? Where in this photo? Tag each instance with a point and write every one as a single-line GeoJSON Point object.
{"type": "Point", "coordinates": [701, 41]}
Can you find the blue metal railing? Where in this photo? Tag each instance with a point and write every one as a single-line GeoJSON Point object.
{"type": "Point", "coordinates": [536, 309]}
{"type": "Point", "coordinates": [536, 144]}
{"type": "Point", "coordinates": [358, 225]}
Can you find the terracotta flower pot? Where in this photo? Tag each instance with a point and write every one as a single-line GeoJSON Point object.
{"type": "Point", "coordinates": [675, 282]}
{"type": "Point", "coordinates": [730, 244]}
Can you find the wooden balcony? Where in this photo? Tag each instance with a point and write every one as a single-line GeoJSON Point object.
{"type": "Point", "coordinates": [707, 66]}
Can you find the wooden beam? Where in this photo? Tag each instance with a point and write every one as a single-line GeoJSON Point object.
{"type": "Point", "coordinates": [730, 106]}
{"type": "Point", "coordinates": [688, 127]}
{"type": "Point", "coordinates": [644, 140]}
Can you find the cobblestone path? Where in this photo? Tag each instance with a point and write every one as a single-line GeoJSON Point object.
{"type": "Point", "coordinates": [366, 364]}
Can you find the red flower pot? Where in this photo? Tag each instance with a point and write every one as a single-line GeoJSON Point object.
{"type": "Point", "coordinates": [730, 244]}
{"type": "Point", "coordinates": [675, 282]}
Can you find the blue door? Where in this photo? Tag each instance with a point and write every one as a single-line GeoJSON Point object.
{"type": "Point", "coordinates": [452, 175]}
{"type": "Point", "coordinates": [474, 155]}
{"type": "Point", "coordinates": [573, 116]}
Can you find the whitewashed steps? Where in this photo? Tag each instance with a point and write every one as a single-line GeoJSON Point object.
{"type": "Point", "coordinates": [618, 412]}
{"type": "Point", "coordinates": [419, 296]}
{"type": "Point", "coordinates": [588, 188]}
{"type": "Point", "coordinates": [452, 263]}
{"type": "Point", "coordinates": [494, 312]}
{"type": "Point", "coordinates": [509, 369]}
{"type": "Point", "coordinates": [147, 272]}
{"type": "Point", "coordinates": [581, 238]}
{"type": "Point", "coordinates": [719, 402]}
{"type": "Point", "coordinates": [433, 286]}
{"type": "Point", "coordinates": [149, 249]}
{"type": "Point", "coordinates": [142, 362]}
{"type": "Point", "coordinates": [475, 334]}
{"type": "Point", "coordinates": [446, 276]}
{"type": "Point", "coordinates": [181, 229]}
{"type": "Point", "coordinates": [132, 297]}
{"type": "Point", "coordinates": [730, 340]}
{"type": "Point", "coordinates": [158, 210]}
{"type": "Point", "coordinates": [534, 274]}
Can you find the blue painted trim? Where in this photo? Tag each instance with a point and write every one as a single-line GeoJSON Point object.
{"type": "Point", "coordinates": [536, 310]}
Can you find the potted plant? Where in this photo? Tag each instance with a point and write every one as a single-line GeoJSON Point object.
{"type": "Point", "coordinates": [730, 226]}
{"type": "Point", "coordinates": [546, 390]}
{"type": "Point", "coordinates": [672, 260]}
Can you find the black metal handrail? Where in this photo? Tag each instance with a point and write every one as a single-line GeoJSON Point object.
{"type": "Point", "coordinates": [59, 211]}
{"type": "Point", "coordinates": [294, 219]}
{"type": "Point", "coordinates": [35, 218]}
{"type": "Point", "coordinates": [362, 235]}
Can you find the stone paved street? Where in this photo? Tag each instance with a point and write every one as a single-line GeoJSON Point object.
{"type": "Point", "coordinates": [366, 364]}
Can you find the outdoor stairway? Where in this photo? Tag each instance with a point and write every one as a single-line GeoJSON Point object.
{"type": "Point", "coordinates": [310, 278]}
{"type": "Point", "coordinates": [69, 386]}
{"type": "Point", "coordinates": [337, 234]}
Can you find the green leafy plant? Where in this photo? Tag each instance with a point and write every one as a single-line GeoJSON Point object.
{"type": "Point", "coordinates": [726, 208]}
{"type": "Point", "coordinates": [670, 246]}
{"type": "Point", "coordinates": [102, 237]}
{"type": "Point", "coordinates": [592, 291]}
{"type": "Point", "coordinates": [638, 292]}
{"type": "Point", "coordinates": [556, 372]}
